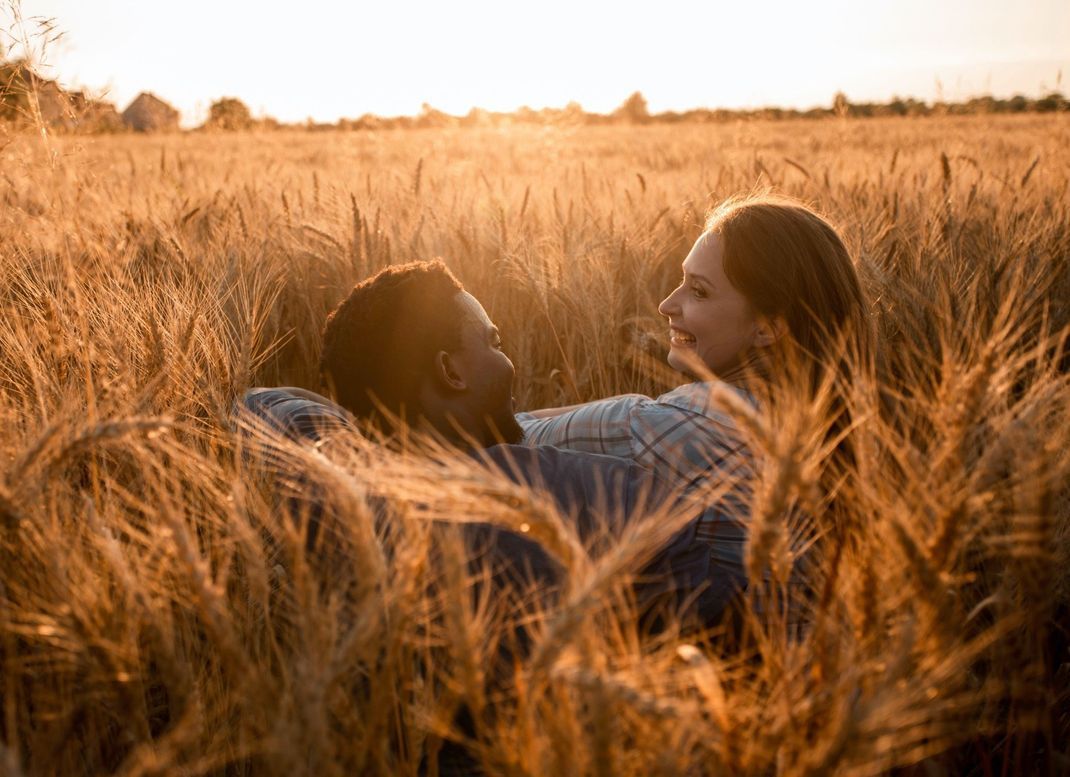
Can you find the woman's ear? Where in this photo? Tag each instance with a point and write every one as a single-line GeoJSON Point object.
{"type": "Point", "coordinates": [446, 373]}
{"type": "Point", "coordinates": [769, 331]}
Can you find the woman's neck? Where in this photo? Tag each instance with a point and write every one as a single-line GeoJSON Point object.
{"type": "Point", "coordinates": [751, 368]}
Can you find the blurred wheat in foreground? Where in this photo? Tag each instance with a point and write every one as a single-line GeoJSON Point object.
{"type": "Point", "coordinates": [159, 616]}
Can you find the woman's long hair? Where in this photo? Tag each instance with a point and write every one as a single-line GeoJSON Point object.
{"type": "Point", "coordinates": [790, 263]}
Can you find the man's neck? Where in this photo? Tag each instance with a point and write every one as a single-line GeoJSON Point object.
{"type": "Point", "coordinates": [444, 425]}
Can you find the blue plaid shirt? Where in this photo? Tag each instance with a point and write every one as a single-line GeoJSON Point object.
{"type": "Point", "coordinates": [682, 436]}
{"type": "Point", "coordinates": [594, 490]}
{"type": "Point", "coordinates": [296, 413]}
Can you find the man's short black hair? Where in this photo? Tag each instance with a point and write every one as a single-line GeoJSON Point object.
{"type": "Point", "coordinates": [380, 342]}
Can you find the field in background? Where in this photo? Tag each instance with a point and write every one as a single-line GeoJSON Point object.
{"type": "Point", "coordinates": [146, 626]}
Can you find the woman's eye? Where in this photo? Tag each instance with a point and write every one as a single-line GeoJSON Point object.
{"type": "Point", "coordinates": [699, 292]}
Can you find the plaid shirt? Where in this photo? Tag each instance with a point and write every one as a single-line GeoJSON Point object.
{"type": "Point", "coordinates": [594, 490]}
{"type": "Point", "coordinates": [680, 436]}
{"type": "Point", "coordinates": [296, 413]}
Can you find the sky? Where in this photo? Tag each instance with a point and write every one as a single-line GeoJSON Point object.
{"type": "Point", "coordinates": [324, 59]}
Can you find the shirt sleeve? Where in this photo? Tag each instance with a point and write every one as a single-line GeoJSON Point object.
{"type": "Point", "coordinates": [299, 415]}
{"type": "Point", "coordinates": [596, 427]}
{"type": "Point", "coordinates": [681, 445]}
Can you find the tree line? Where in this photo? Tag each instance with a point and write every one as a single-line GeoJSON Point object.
{"type": "Point", "coordinates": [28, 98]}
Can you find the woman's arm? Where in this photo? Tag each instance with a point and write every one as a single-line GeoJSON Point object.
{"type": "Point", "coordinates": [551, 412]}
{"type": "Point", "coordinates": [597, 427]}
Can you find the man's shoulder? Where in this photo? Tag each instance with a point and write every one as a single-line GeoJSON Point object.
{"type": "Point", "coordinates": [271, 396]}
{"type": "Point", "coordinates": [594, 486]}
{"type": "Point", "coordinates": [295, 412]}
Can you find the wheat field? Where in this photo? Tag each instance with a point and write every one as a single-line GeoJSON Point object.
{"type": "Point", "coordinates": [158, 616]}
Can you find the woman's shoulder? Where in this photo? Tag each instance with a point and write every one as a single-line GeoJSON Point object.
{"type": "Point", "coordinates": [712, 399]}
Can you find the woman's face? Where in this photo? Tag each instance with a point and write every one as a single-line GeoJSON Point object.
{"type": "Point", "coordinates": [707, 316]}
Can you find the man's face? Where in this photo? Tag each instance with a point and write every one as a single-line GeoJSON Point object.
{"type": "Point", "coordinates": [488, 374]}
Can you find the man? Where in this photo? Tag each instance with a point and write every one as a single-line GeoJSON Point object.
{"type": "Point", "coordinates": [411, 345]}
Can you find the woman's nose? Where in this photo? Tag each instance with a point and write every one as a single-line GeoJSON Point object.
{"type": "Point", "coordinates": [668, 306]}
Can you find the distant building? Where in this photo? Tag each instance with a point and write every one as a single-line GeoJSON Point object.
{"type": "Point", "coordinates": [26, 98]}
{"type": "Point", "coordinates": [75, 112]}
{"type": "Point", "coordinates": [148, 113]}
{"type": "Point", "coordinates": [100, 116]}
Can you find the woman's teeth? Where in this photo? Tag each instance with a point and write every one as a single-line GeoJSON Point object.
{"type": "Point", "coordinates": [681, 338]}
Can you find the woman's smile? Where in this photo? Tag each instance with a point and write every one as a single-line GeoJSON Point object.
{"type": "Point", "coordinates": [678, 338]}
{"type": "Point", "coordinates": [708, 317]}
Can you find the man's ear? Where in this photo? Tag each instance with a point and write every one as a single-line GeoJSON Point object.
{"type": "Point", "coordinates": [769, 331]}
{"type": "Point", "coordinates": [446, 373]}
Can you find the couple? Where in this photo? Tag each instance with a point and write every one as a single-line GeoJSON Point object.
{"type": "Point", "coordinates": [768, 283]}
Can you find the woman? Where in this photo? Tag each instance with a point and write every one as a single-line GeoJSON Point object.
{"type": "Point", "coordinates": [769, 297]}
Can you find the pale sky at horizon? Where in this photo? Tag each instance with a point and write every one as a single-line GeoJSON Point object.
{"type": "Point", "coordinates": [327, 60]}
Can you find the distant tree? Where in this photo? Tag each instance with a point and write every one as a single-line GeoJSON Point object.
{"type": "Point", "coordinates": [841, 107]}
{"type": "Point", "coordinates": [525, 114]}
{"type": "Point", "coordinates": [433, 117]}
{"type": "Point", "coordinates": [476, 117]}
{"type": "Point", "coordinates": [897, 106]}
{"type": "Point", "coordinates": [1051, 102]}
{"type": "Point", "coordinates": [368, 121]}
{"type": "Point", "coordinates": [1017, 104]}
{"type": "Point", "coordinates": [574, 109]}
{"type": "Point", "coordinates": [981, 105]}
{"type": "Point", "coordinates": [917, 107]}
{"type": "Point", "coordinates": [229, 113]}
{"type": "Point", "coordinates": [633, 110]}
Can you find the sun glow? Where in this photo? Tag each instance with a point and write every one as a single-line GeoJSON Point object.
{"type": "Point", "coordinates": [326, 60]}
